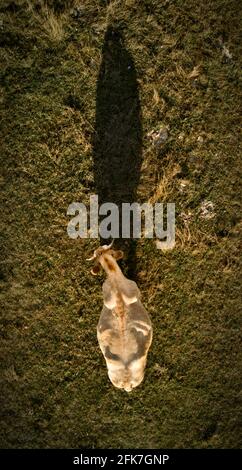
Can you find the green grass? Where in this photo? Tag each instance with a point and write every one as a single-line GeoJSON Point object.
{"type": "Point", "coordinates": [54, 386]}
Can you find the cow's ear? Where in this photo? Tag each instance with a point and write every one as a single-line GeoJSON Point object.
{"type": "Point", "coordinates": [96, 269]}
{"type": "Point", "coordinates": [119, 254]}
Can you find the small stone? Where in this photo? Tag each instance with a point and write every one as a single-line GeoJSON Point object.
{"type": "Point", "coordinates": [159, 137]}
{"type": "Point", "coordinates": [207, 210]}
{"type": "Point", "coordinates": [225, 51]}
{"type": "Point", "coordinates": [183, 185]}
{"type": "Point", "coordinates": [181, 136]}
{"type": "Point", "coordinates": [200, 139]}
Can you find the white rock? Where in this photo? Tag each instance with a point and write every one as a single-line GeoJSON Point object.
{"type": "Point", "coordinates": [207, 210]}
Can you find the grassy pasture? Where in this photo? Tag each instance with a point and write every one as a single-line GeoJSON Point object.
{"type": "Point", "coordinates": [185, 61]}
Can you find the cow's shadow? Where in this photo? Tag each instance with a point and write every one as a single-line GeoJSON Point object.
{"type": "Point", "coordinates": [117, 141]}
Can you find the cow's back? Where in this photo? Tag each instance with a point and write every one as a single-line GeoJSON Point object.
{"type": "Point", "coordinates": [125, 348]}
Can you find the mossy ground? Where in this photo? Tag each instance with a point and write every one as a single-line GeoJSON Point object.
{"type": "Point", "coordinates": [54, 386]}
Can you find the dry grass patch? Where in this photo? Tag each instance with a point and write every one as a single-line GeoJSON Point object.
{"type": "Point", "coordinates": [51, 24]}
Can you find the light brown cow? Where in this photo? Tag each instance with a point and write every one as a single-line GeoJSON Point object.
{"type": "Point", "coordinates": [124, 329]}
